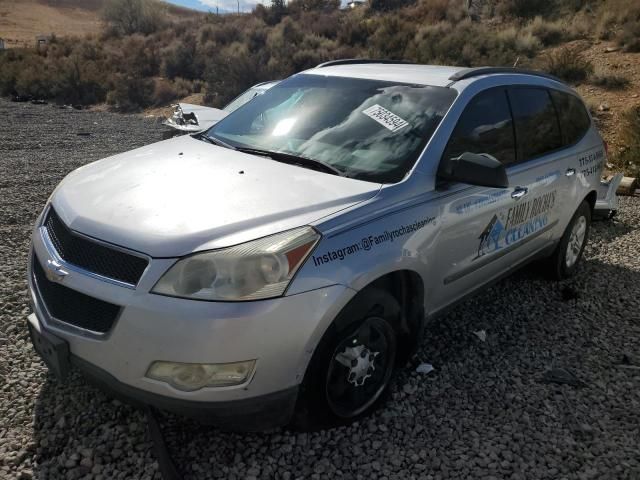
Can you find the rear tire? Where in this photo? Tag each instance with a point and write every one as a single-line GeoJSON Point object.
{"type": "Point", "coordinates": [564, 261]}
{"type": "Point", "coordinates": [353, 364]}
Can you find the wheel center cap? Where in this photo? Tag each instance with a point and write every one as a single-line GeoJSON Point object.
{"type": "Point", "coordinates": [360, 361]}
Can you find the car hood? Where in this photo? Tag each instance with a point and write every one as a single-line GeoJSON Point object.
{"type": "Point", "coordinates": [184, 195]}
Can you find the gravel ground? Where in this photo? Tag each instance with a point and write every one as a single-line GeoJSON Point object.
{"type": "Point", "coordinates": [483, 413]}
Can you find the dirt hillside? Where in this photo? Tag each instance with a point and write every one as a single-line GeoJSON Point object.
{"type": "Point", "coordinates": [22, 20]}
{"type": "Point", "coordinates": [608, 105]}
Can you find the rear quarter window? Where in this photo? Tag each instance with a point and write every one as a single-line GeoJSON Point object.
{"type": "Point", "coordinates": [574, 119]}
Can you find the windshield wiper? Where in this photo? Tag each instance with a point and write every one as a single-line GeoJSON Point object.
{"type": "Point", "coordinates": [294, 160]}
{"type": "Point", "coordinates": [213, 141]}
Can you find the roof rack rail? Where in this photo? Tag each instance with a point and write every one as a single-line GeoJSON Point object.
{"type": "Point", "coordinates": [477, 71]}
{"type": "Point", "coordinates": [361, 61]}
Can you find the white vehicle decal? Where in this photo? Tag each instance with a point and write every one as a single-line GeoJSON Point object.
{"type": "Point", "coordinates": [384, 117]}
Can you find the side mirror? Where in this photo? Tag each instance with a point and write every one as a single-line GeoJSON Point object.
{"type": "Point", "coordinates": [482, 170]}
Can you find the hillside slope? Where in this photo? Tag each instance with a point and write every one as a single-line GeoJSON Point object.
{"type": "Point", "coordinates": [22, 20]}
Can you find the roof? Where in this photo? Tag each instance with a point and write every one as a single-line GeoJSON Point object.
{"type": "Point", "coordinates": [434, 75]}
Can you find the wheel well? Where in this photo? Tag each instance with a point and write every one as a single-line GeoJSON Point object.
{"type": "Point", "coordinates": [591, 199]}
{"type": "Point", "coordinates": [407, 288]}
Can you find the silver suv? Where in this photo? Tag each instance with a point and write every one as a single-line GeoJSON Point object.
{"type": "Point", "coordinates": [280, 266]}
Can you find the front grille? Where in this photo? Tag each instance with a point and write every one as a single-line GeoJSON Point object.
{"type": "Point", "coordinates": [93, 256]}
{"type": "Point", "coordinates": [72, 307]}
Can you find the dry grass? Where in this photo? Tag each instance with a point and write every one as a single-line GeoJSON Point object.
{"type": "Point", "coordinates": [628, 160]}
{"type": "Point", "coordinates": [22, 20]}
{"type": "Point", "coordinates": [569, 64]}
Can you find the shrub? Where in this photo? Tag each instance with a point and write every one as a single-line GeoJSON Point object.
{"type": "Point", "coordinates": [629, 159]}
{"type": "Point", "coordinates": [134, 16]}
{"type": "Point", "coordinates": [525, 8]}
{"type": "Point", "coordinates": [353, 30]}
{"type": "Point", "coordinates": [569, 64]}
{"type": "Point", "coordinates": [78, 81]}
{"type": "Point", "coordinates": [34, 78]}
{"type": "Point", "coordinates": [386, 5]}
{"type": "Point", "coordinates": [296, 6]}
{"type": "Point", "coordinates": [390, 37]}
{"type": "Point", "coordinates": [549, 33]}
{"type": "Point", "coordinates": [609, 81]}
{"type": "Point", "coordinates": [447, 43]}
{"type": "Point", "coordinates": [629, 36]}
{"type": "Point", "coordinates": [180, 61]}
{"type": "Point", "coordinates": [432, 11]}
{"type": "Point", "coordinates": [235, 70]}
{"type": "Point", "coordinates": [620, 19]}
{"type": "Point", "coordinates": [129, 94]}
{"type": "Point", "coordinates": [164, 92]}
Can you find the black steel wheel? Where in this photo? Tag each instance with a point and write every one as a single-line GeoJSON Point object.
{"type": "Point", "coordinates": [360, 368]}
{"type": "Point", "coordinates": [353, 364]}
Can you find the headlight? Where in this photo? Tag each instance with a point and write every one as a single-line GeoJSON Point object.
{"type": "Point", "coordinates": [255, 270]}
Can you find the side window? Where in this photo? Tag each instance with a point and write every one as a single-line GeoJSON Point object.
{"type": "Point", "coordinates": [485, 126]}
{"type": "Point", "coordinates": [537, 128]}
{"type": "Point", "coordinates": [574, 119]}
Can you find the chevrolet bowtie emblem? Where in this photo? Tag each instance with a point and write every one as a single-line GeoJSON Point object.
{"type": "Point", "coordinates": [55, 272]}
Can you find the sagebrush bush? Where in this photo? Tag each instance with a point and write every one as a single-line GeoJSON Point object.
{"type": "Point", "coordinates": [525, 8]}
{"type": "Point", "coordinates": [389, 37]}
{"type": "Point", "coordinates": [620, 20]}
{"type": "Point", "coordinates": [569, 64]}
{"type": "Point", "coordinates": [609, 81]}
{"type": "Point", "coordinates": [164, 92]}
{"type": "Point", "coordinates": [134, 16]}
{"type": "Point", "coordinates": [629, 36]}
{"type": "Point", "coordinates": [129, 94]}
{"type": "Point", "coordinates": [629, 159]}
{"type": "Point", "coordinates": [548, 32]}
{"type": "Point", "coordinates": [448, 43]}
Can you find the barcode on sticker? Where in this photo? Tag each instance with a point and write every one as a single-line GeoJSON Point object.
{"type": "Point", "coordinates": [385, 118]}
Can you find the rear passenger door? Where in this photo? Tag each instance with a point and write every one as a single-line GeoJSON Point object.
{"type": "Point", "coordinates": [543, 165]}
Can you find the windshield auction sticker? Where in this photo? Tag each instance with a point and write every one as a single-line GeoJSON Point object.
{"type": "Point", "coordinates": [384, 117]}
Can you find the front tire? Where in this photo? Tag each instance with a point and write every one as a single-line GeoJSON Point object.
{"type": "Point", "coordinates": [563, 263]}
{"type": "Point", "coordinates": [353, 364]}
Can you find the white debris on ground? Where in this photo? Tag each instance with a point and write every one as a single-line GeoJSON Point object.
{"type": "Point", "coordinates": [481, 334]}
{"type": "Point", "coordinates": [425, 368]}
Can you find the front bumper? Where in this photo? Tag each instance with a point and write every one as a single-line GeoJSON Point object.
{"type": "Point", "coordinates": [279, 333]}
{"type": "Point", "coordinates": [252, 414]}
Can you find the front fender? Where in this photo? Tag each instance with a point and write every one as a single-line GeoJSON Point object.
{"type": "Point", "coordinates": [357, 256]}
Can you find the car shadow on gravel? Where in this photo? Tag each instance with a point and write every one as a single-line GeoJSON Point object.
{"type": "Point", "coordinates": [483, 411]}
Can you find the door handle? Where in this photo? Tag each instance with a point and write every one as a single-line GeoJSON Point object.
{"type": "Point", "coordinates": [570, 172]}
{"type": "Point", "coordinates": [519, 192]}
